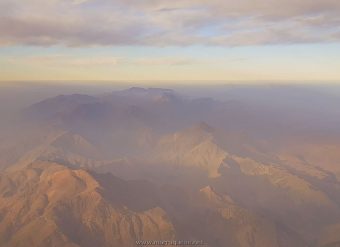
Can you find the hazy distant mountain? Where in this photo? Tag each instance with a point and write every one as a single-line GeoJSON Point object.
{"type": "Point", "coordinates": [58, 106]}
{"type": "Point", "coordinates": [143, 164]}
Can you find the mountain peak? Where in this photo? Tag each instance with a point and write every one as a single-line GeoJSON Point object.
{"type": "Point", "coordinates": [212, 196]}
{"type": "Point", "coordinates": [136, 90]}
{"type": "Point", "coordinates": [208, 190]}
{"type": "Point", "coordinates": [203, 127]}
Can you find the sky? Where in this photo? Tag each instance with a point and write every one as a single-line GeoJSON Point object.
{"type": "Point", "coordinates": [177, 40]}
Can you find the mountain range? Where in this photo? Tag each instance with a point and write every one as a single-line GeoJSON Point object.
{"type": "Point", "coordinates": [154, 164]}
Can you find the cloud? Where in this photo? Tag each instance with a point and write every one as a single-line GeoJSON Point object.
{"type": "Point", "coordinates": [168, 23]}
{"type": "Point", "coordinates": [168, 61]}
{"type": "Point", "coordinates": [63, 60]}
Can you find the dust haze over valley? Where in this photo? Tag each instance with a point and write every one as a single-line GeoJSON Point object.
{"type": "Point", "coordinates": [251, 165]}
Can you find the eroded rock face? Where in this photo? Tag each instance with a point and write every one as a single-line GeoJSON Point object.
{"type": "Point", "coordinates": [66, 207]}
{"type": "Point", "coordinates": [193, 147]}
{"type": "Point", "coordinates": [75, 207]}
